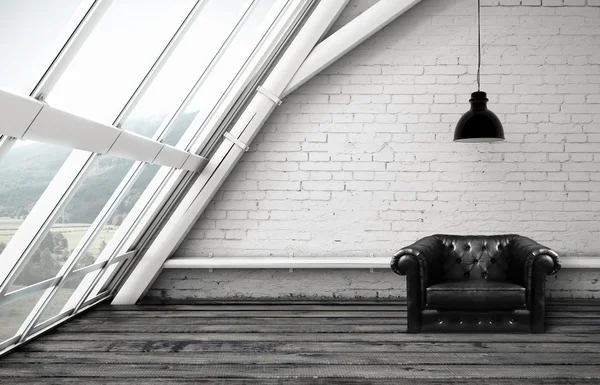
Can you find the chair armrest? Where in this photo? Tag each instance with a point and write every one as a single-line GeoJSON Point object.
{"type": "Point", "coordinates": [422, 263]}
{"type": "Point", "coordinates": [428, 252]}
{"type": "Point", "coordinates": [524, 252]}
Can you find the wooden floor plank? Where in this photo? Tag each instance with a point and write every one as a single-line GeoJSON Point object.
{"type": "Point", "coordinates": [322, 347]}
{"type": "Point", "coordinates": [144, 322]}
{"type": "Point", "coordinates": [166, 309]}
{"type": "Point", "coordinates": [295, 314]}
{"type": "Point", "coordinates": [296, 329]}
{"type": "Point", "coordinates": [302, 381]}
{"type": "Point", "coordinates": [332, 337]}
{"type": "Point", "coordinates": [266, 320]}
{"type": "Point", "coordinates": [141, 371]}
{"type": "Point", "coordinates": [490, 359]}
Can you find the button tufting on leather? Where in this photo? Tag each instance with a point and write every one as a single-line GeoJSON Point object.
{"type": "Point", "coordinates": [492, 260]}
{"type": "Point", "coordinates": [451, 247]}
{"type": "Point", "coordinates": [475, 260]}
{"type": "Point", "coordinates": [458, 260]}
{"type": "Point", "coordinates": [468, 247]}
{"type": "Point", "coordinates": [467, 274]}
{"type": "Point", "coordinates": [484, 275]}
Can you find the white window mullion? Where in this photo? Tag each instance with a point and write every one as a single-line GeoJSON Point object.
{"type": "Point", "coordinates": [197, 140]}
{"type": "Point", "coordinates": [71, 48]}
{"type": "Point", "coordinates": [170, 120]}
{"type": "Point", "coordinates": [160, 61]}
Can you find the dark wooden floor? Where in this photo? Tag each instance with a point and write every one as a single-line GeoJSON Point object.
{"type": "Point", "coordinates": [302, 343]}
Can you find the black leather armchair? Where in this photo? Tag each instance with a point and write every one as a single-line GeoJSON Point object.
{"type": "Point", "coordinates": [475, 283]}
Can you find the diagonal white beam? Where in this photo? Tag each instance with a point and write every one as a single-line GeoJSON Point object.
{"type": "Point", "coordinates": [346, 38]}
{"type": "Point", "coordinates": [227, 155]}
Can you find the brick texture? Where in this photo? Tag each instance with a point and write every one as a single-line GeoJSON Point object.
{"type": "Point", "coordinates": [361, 160]}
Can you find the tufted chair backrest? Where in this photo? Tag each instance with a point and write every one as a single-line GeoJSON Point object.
{"type": "Point", "coordinates": [476, 257]}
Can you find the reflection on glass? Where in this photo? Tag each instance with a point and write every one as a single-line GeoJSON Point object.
{"type": "Point", "coordinates": [32, 33]}
{"type": "Point", "coordinates": [116, 219]}
{"type": "Point", "coordinates": [13, 314]}
{"type": "Point", "coordinates": [57, 304]}
{"type": "Point", "coordinates": [116, 57]}
{"type": "Point", "coordinates": [185, 65]}
{"type": "Point", "coordinates": [225, 69]}
{"type": "Point", "coordinates": [25, 172]}
{"type": "Point", "coordinates": [75, 219]}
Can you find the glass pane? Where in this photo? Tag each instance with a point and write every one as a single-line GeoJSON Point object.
{"type": "Point", "coordinates": [75, 219]}
{"type": "Point", "coordinates": [13, 314]}
{"type": "Point", "coordinates": [185, 65]}
{"type": "Point", "coordinates": [118, 216]}
{"type": "Point", "coordinates": [228, 65]}
{"type": "Point", "coordinates": [32, 33]}
{"type": "Point", "coordinates": [105, 280]}
{"type": "Point", "coordinates": [60, 302]}
{"type": "Point", "coordinates": [25, 172]}
{"type": "Point", "coordinates": [116, 57]}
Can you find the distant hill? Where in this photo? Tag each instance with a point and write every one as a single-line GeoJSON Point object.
{"type": "Point", "coordinates": [24, 174]}
{"type": "Point", "coordinates": [26, 171]}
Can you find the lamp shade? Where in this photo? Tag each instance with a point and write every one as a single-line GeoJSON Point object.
{"type": "Point", "coordinates": [479, 124]}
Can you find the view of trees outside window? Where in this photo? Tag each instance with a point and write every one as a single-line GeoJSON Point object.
{"type": "Point", "coordinates": [75, 219]}
{"type": "Point", "coordinates": [25, 172]}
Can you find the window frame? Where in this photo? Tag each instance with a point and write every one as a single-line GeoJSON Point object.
{"type": "Point", "coordinates": [123, 251]}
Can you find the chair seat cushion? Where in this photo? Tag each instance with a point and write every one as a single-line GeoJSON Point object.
{"type": "Point", "coordinates": [475, 295]}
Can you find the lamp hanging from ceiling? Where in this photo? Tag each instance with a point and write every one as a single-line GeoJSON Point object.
{"type": "Point", "coordinates": [479, 124]}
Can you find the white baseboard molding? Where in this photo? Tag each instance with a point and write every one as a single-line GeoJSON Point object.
{"type": "Point", "coordinates": [573, 262]}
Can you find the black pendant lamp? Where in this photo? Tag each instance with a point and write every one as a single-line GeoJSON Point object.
{"type": "Point", "coordinates": [479, 124]}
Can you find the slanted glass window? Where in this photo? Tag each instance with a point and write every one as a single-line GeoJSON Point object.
{"type": "Point", "coordinates": [118, 215]}
{"type": "Point", "coordinates": [25, 172]}
{"type": "Point", "coordinates": [116, 57]}
{"type": "Point", "coordinates": [103, 284]}
{"type": "Point", "coordinates": [32, 33]}
{"type": "Point", "coordinates": [203, 40]}
{"type": "Point", "coordinates": [75, 220]}
{"type": "Point", "coordinates": [60, 301]}
{"type": "Point", "coordinates": [14, 314]}
{"type": "Point", "coordinates": [229, 62]}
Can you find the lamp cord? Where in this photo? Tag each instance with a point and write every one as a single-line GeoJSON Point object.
{"type": "Point", "coordinates": [479, 45]}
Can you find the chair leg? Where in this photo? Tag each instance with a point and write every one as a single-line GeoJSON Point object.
{"type": "Point", "coordinates": [413, 302]}
{"type": "Point", "coordinates": [537, 317]}
{"type": "Point", "coordinates": [538, 295]}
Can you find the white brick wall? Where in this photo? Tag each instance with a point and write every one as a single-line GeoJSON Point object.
{"type": "Point", "coordinates": [361, 160]}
